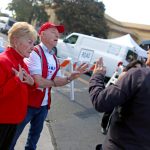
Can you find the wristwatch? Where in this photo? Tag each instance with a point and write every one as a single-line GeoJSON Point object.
{"type": "Point", "coordinates": [68, 80]}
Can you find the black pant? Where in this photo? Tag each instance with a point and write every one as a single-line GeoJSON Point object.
{"type": "Point", "coordinates": [7, 132]}
{"type": "Point", "coordinates": [99, 147]}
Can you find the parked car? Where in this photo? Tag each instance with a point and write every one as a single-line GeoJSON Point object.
{"type": "Point", "coordinates": [6, 23]}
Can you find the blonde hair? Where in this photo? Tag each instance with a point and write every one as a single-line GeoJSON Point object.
{"type": "Point", "coordinates": [21, 29]}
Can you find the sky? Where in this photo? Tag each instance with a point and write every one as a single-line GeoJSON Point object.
{"type": "Point", "coordinates": [133, 11]}
{"type": "Point", "coordinates": [3, 5]}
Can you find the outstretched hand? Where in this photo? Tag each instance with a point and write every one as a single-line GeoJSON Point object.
{"type": "Point", "coordinates": [83, 68]}
{"type": "Point", "coordinates": [99, 68]}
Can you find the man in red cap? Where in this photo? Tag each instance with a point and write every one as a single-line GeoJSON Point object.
{"type": "Point", "coordinates": [44, 68]}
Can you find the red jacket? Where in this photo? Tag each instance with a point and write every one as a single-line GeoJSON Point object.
{"type": "Point", "coordinates": [13, 93]}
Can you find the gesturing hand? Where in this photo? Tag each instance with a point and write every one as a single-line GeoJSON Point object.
{"type": "Point", "coordinates": [27, 78]}
{"type": "Point", "coordinates": [19, 73]}
{"type": "Point", "coordinates": [78, 71]}
{"type": "Point", "coordinates": [99, 68]}
{"type": "Point", "coordinates": [23, 75]}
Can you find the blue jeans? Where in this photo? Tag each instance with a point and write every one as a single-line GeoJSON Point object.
{"type": "Point", "coordinates": [36, 117]}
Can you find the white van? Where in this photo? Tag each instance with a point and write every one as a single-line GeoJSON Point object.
{"type": "Point", "coordinates": [6, 23]}
{"type": "Point", "coordinates": [76, 44]}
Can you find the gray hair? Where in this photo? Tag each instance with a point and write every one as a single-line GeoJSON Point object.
{"type": "Point", "coordinates": [21, 29]}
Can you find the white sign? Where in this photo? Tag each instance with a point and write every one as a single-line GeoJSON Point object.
{"type": "Point", "coordinates": [85, 55]}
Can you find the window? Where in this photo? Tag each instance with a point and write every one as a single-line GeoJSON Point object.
{"type": "Point", "coordinates": [10, 23]}
{"type": "Point", "coordinates": [72, 39]}
{"type": "Point", "coordinates": [131, 56]}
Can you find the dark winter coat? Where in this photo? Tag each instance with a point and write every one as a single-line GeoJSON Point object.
{"type": "Point", "coordinates": [130, 123]}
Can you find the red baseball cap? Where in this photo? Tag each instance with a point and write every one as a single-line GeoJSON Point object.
{"type": "Point", "coordinates": [48, 25]}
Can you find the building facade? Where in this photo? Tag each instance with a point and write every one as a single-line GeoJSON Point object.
{"type": "Point", "coordinates": [139, 32]}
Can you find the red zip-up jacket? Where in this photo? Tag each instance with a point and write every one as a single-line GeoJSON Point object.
{"type": "Point", "coordinates": [13, 93]}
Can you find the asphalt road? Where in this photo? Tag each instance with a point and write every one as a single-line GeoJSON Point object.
{"type": "Point", "coordinates": [74, 125]}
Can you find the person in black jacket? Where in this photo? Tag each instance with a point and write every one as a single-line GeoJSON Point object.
{"type": "Point", "coordinates": [130, 99]}
{"type": "Point", "coordinates": [107, 115]}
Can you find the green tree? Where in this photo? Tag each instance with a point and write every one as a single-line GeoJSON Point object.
{"type": "Point", "coordinates": [83, 16]}
{"type": "Point", "coordinates": [29, 10]}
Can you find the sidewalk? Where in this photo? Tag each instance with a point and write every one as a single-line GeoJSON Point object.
{"type": "Point", "coordinates": [44, 143]}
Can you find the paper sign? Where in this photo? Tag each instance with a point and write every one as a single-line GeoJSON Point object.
{"type": "Point", "coordinates": [85, 55]}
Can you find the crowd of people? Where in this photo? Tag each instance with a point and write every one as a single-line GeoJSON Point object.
{"type": "Point", "coordinates": [26, 84]}
{"type": "Point", "coordinates": [29, 71]}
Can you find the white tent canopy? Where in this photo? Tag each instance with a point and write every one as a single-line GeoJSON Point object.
{"type": "Point", "coordinates": [127, 40]}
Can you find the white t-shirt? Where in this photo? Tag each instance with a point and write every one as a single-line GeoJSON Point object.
{"type": "Point", "coordinates": [34, 66]}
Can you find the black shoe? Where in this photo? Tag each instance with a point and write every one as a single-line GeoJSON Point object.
{"type": "Point", "coordinates": [103, 130]}
{"type": "Point", "coordinates": [98, 147]}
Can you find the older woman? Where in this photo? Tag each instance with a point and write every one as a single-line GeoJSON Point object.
{"type": "Point", "coordinates": [15, 80]}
